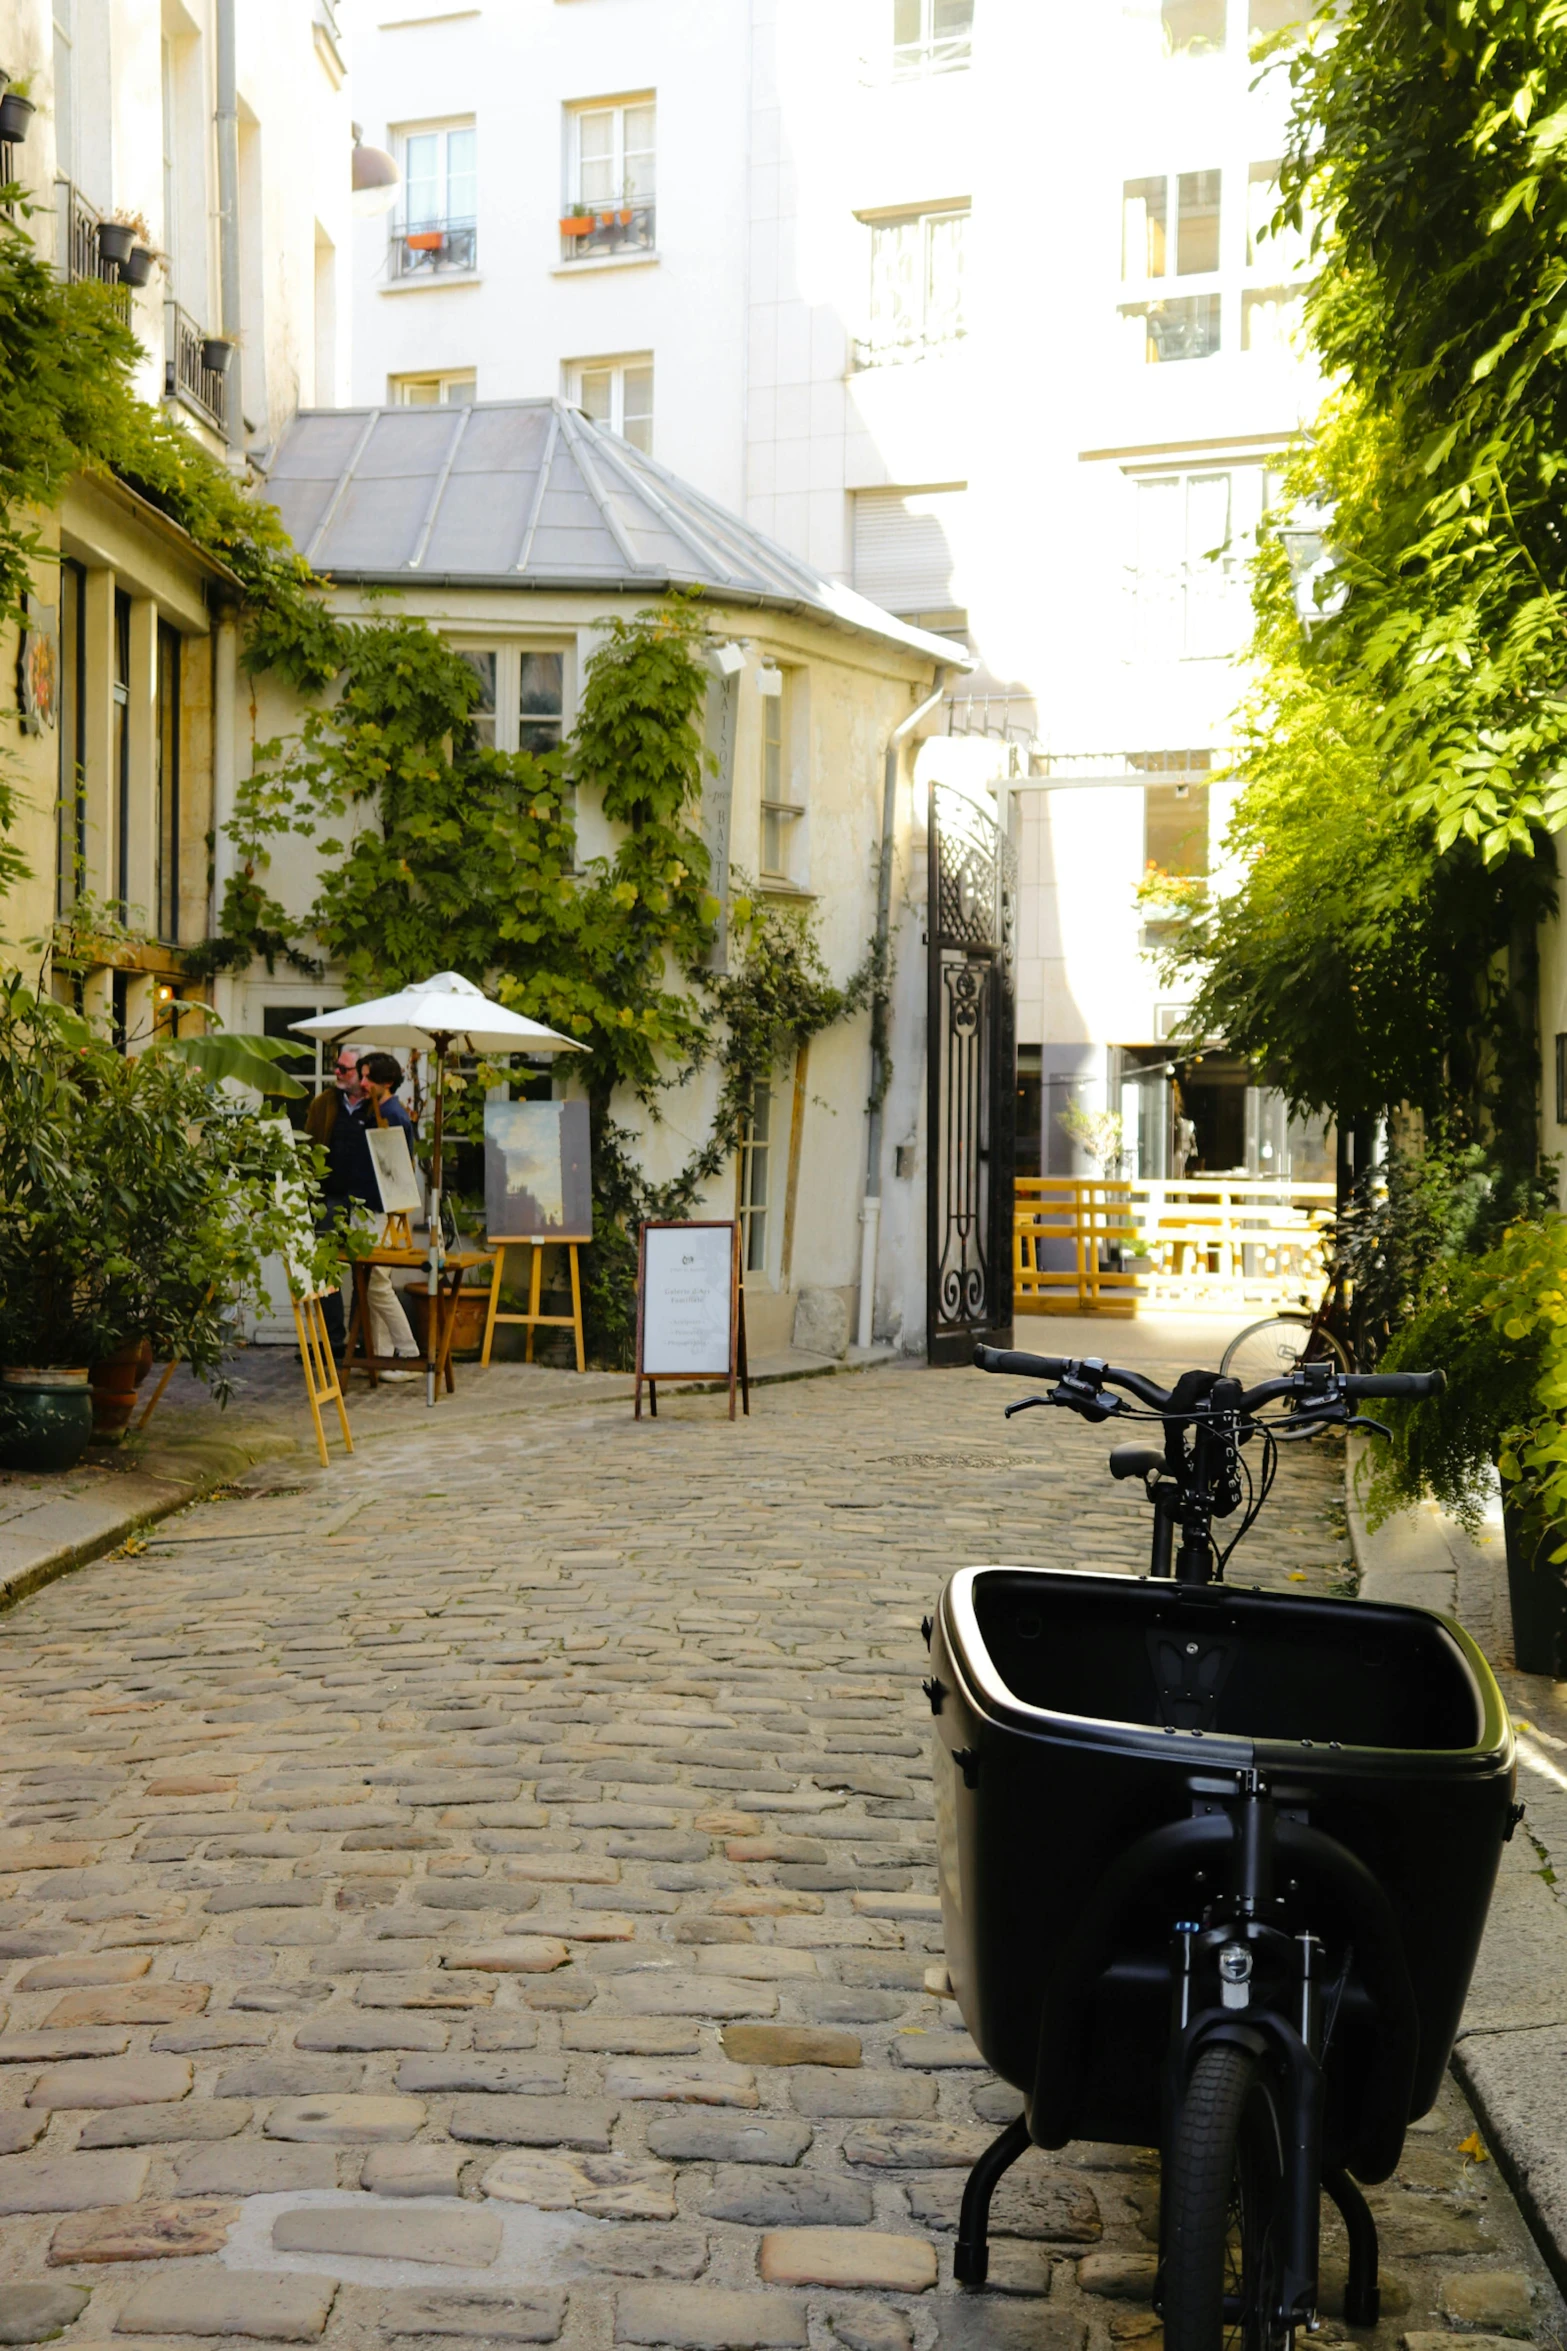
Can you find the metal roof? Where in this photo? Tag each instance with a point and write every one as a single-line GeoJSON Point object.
{"type": "Point", "coordinates": [532, 494]}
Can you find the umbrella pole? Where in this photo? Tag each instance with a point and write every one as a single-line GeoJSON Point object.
{"type": "Point", "coordinates": [436, 1255]}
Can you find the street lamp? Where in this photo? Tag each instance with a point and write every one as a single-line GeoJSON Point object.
{"type": "Point", "coordinates": [1310, 557]}
{"type": "Point", "coordinates": [376, 179]}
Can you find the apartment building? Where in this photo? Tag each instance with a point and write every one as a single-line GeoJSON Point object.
{"type": "Point", "coordinates": [973, 304]}
{"type": "Point", "coordinates": [195, 155]}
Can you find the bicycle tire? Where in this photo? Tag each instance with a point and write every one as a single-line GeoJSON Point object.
{"type": "Point", "coordinates": [1269, 1349]}
{"type": "Point", "coordinates": [1224, 2210]}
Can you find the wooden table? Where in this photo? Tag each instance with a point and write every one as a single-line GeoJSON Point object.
{"type": "Point", "coordinates": [357, 1355]}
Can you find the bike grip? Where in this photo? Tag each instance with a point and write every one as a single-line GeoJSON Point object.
{"type": "Point", "coordinates": [1415, 1384]}
{"type": "Point", "coordinates": [1021, 1367]}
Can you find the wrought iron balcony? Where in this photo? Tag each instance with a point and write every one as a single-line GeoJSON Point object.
{"type": "Point", "coordinates": [186, 375]}
{"type": "Point", "coordinates": [435, 248]}
{"type": "Point", "coordinates": [897, 347]}
{"type": "Point", "coordinates": [76, 248]}
{"type": "Point", "coordinates": [588, 232]}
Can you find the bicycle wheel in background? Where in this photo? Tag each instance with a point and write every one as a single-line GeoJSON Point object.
{"type": "Point", "coordinates": [1273, 1349]}
{"type": "Point", "coordinates": [1224, 2210]}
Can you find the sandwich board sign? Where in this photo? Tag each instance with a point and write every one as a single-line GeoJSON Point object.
{"type": "Point", "coordinates": [690, 1308]}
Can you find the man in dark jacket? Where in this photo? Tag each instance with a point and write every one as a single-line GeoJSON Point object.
{"type": "Point", "coordinates": [329, 1122]}
{"type": "Point", "coordinates": [380, 1075]}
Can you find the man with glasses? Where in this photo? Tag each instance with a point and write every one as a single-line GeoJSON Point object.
{"type": "Point", "coordinates": [329, 1121]}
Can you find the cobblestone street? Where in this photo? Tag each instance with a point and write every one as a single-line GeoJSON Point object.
{"type": "Point", "coordinates": [486, 1891]}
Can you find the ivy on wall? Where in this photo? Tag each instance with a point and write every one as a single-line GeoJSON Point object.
{"type": "Point", "coordinates": [437, 852]}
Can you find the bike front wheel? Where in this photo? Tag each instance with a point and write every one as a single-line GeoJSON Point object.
{"type": "Point", "coordinates": [1273, 1349]}
{"type": "Point", "coordinates": [1224, 2210]}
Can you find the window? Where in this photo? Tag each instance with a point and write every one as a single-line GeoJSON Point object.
{"type": "Point", "coordinates": [65, 90]}
{"type": "Point", "coordinates": [522, 697]}
{"type": "Point", "coordinates": [166, 781]}
{"type": "Point", "coordinates": [1171, 226]}
{"type": "Point", "coordinates": [436, 232]}
{"type": "Point", "coordinates": [908, 553]}
{"type": "Point", "coordinates": [782, 799]}
{"type": "Point", "coordinates": [931, 36]}
{"type": "Point", "coordinates": [1193, 28]}
{"type": "Point", "coordinates": [611, 159]}
{"type": "Point", "coordinates": [71, 821]}
{"type": "Point", "coordinates": [1175, 828]}
{"type": "Point", "coordinates": [1193, 536]}
{"type": "Point", "coordinates": [917, 290]}
{"type": "Point", "coordinates": [433, 391]}
{"type": "Point", "coordinates": [1271, 312]}
{"type": "Point", "coordinates": [756, 1144]}
{"type": "Point", "coordinates": [617, 393]}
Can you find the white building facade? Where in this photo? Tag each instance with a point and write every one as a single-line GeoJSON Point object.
{"type": "Point", "coordinates": [970, 303]}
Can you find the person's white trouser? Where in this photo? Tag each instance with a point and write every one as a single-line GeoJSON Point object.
{"type": "Point", "coordinates": [390, 1332]}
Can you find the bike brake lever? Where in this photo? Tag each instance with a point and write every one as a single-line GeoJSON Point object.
{"type": "Point", "coordinates": [1376, 1427]}
{"type": "Point", "coordinates": [1027, 1405]}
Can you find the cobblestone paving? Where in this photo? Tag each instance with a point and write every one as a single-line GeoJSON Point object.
{"type": "Point", "coordinates": [487, 1894]}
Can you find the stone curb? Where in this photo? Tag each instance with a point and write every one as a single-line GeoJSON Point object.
{"type": "Point", "coordinates": [1511, 2052]}
{"type": "Point", "coordinates": [138, 1499]}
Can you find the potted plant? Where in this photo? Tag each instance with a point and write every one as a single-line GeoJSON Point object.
{"type": "Point", "coordinates": [16, 111]}
{"type": "Point", "coordinates": [217, 354]}
{"type": "Point", "coordinates": [120, 233]}
{"type": "Point", "coordinates": [137, 267]}
{"type": "Point", "coordinates": [137, 1204]}
{"type": "Point", "coordinates": [577, 221]}
{"type": "Point", "coordinates": [1491, 1322]}
{"type": "Point", "coordinates": [424, 240]}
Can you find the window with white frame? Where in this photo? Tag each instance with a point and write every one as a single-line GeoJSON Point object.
{"type": "Point", "coordinates": [433, 391]}
{"type": "Point", "coordinates": [1171, 226]}
{"type": "Point", "coordinates": [1193, 536]}
{"type": "Point", "coordinates": [611, 178]}
{"type": "Point", "coordinates": [783, 796]}
{"type": "Point", "coordinates": [918, 265]}
{"type": "Point", "coordinates": [1278, 263]}
{"type": "Point", "coordinates": [617, 393]}
{"type": "Point", "coordinates": [436, 224]}
{"type": "Point", "coordinates": [755, 1178]}
{"type": "Point", "coordinates": [931, 36]}
{"type": "Point", "coordinates": [521, 703]}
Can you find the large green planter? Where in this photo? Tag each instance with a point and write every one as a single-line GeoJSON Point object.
{"type": "Point", "coordinates": [45, 1419]}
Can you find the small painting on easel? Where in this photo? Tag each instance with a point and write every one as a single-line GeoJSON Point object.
{"type": "Point", "coordinates": [537, 1175]}
{"type": "Point", "coordinates": [394, 1170]}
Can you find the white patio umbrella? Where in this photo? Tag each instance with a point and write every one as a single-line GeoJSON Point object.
{"type": "Point", "coordinates": [441, 1015]}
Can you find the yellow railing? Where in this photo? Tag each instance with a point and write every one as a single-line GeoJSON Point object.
{"type": "Point", "coordinates": [1094, 1246]}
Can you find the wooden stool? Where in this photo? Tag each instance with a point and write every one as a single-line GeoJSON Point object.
{"type": "Point", "coordinates": [533, 1318]}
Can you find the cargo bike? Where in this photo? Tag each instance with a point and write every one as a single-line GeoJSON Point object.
{"type": "Point", "coordinates": [1215, 1861]}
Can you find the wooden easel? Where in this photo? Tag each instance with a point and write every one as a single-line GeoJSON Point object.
{"type": "Point", "coordinates": [571, 1242]}
{"type": "Point", "coordinates": [321, 1382]}
{"type": "Point", "coordinates": [397, 1233]}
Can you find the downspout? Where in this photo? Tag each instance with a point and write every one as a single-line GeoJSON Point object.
{"type": "Point", "coordinates": [228, 217]}
{"type": "Point", "coordinates": [870, 1214]}
{"type": "Point", "coordinates": [225, 774]}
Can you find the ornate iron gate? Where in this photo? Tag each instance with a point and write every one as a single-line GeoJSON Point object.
{"type": "Point", "coordinates": [970, 1053]}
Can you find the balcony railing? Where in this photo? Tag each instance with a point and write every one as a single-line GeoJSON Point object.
{"type": "Point", "coordinates": [946, 53]}
{"type": "Point", "coordinates": [186, 375]}
{"type": "Point", "coordinates": [900, 348]}
{"type": "Point", "coordinates": [588, 232]}
{"type": "Point", "coordinates": [77, 239]}
{"type": "Point", "coordinates": [435, 248]}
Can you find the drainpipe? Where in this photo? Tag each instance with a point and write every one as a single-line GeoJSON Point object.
{"type": "Point", "coordinates": [225, 772]}
{"type": "Point", "coordinates": [228, 216]}
{"type": "Point", "coordinates": [870, 1214]}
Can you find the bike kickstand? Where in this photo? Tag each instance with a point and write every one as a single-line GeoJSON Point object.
{"type": "Point", "coordinates": [1362, 2294]}
{"type": "Point", "coordinates": [971, 2256]}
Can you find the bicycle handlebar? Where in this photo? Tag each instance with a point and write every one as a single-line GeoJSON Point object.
{"type": "Point", "coordinates": [1349, 1385]}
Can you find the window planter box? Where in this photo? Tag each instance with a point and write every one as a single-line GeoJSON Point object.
{"type": "Point", "coordinates": [577, 224]}
{"type": "Point", "coordinates": [425, 240]}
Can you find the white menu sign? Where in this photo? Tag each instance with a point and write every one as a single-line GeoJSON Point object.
{"type": "Point", "coordinates": [686, 1299]}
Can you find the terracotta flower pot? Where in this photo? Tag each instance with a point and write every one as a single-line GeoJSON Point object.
{"type": "Point", "coordinates": [114, 1384]}
{"type": "Point", "coordinates": [472, 1306]}
{"type": "Point", "coordinates": [45, 1418]}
